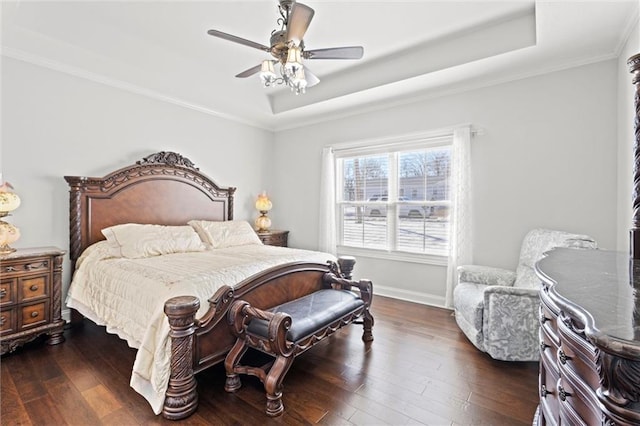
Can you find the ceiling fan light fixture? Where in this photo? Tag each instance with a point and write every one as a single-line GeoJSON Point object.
{"type": "Point", "coordinates": [294, 59]}
{"type": "Point", "coordinates": [287, 47]}
{"type": "Point", "coordinates": [267, 73]}
{"type": "Point", "coordinates": [299, 82]}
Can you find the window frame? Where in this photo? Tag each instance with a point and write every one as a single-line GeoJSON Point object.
{"type": "Point", "coordinates": [393, 151]}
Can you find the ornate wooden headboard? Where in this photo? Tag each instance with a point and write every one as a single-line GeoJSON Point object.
{"type": "Point", "coordinates": [163, 188]}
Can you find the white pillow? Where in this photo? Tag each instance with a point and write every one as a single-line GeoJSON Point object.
{"type": "Point", "coordinates": [225, 234]}
{"type": "Point", "coordinates": [134, 241]}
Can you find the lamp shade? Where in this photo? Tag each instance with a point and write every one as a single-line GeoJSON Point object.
{"type": "Point", "coordinates": [9, 200]}
{"type": "Point", "coordinates": [263, 203]}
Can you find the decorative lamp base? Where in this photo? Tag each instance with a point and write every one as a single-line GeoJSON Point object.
{"type": "Point", "coordinates": [5, 249]}
{"type": "Point", "coordinates": [263, 223]}
{"type": "Point", "coordinates": [9, 234]}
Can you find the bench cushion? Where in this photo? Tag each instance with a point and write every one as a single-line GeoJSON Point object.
{"type": "Point", "coordinates": [311, 313]}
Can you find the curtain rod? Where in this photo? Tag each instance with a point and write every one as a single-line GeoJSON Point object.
{"type": "Point", "coordinates": [403, 139]}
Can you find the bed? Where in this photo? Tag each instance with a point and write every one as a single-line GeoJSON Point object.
{"type": "Point", "coordinates": [173, 307]}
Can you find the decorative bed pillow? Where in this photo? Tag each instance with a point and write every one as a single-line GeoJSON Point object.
{"type": "Point", "coordinates": [225, 234]}
{"type": "Point", "coordinates": [133, 241]}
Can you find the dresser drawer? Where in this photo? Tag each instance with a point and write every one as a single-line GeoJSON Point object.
{"type": "Point", "coordinates": [20, 266]}
{"type": "Point", "coordinates": [33, 315]}
{"type": "Point", "coordinates": [548, 381]}
{"type": "Point", "coordinates": [548, 324]}
{"type": "Point", "coordinates": [578, 399]}
{"type": "Point", "coordinates": [33, 287]}
{"type": "Point", "coordinates": [578, 355]}
{"type": "Point", "coordinates": [8, 291]}
{"type": "Point", "coordinates": [7, 321]}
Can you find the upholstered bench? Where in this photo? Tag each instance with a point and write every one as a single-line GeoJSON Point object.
{"type": "Point", "coordinates": [288, 330]}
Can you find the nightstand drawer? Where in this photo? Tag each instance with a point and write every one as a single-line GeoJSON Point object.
{"type": "Point", "coordinates": [32, 315]}
{"type": "Point", "coordinates": [30, 297]}
{"type": "Point", "coordinates": [274, 238]}
{"type": "Point", "coordinates": [26, 265]}
{"type": "Point", "coordinates": [33, 287]}
{"type": "Point", "coordinates": [7, 321]}
{"type": "Point", "coordinates": [8, 291]}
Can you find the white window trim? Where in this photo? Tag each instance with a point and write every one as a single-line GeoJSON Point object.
{"type": "Point", "coordinates": [441, 137]}
{"type": "Point", "coordinates": [402, 256]}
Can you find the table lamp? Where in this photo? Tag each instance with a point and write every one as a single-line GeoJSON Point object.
{"type": "Point", "coordinates": [263, 205]}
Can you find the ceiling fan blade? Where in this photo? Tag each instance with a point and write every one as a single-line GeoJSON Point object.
{"type": "Point", "coordinates": [251, 71]}
{"type": "Point", "coordinates": [311, 78]}
{"type": "Point", "coordinates": [349, 52]}
{"type": "Point", "coordinates": [239, 40]}
{"type": "Point", "coordinates": [298, 22]}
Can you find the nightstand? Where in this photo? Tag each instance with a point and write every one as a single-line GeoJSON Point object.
{"type": "Point", "coordinates": [30, 296]}
{"type": "Point", "coordinates": [274, 238]}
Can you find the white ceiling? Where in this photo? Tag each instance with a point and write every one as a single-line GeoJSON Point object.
{"type": "Point", "coordinates": [413, 49]}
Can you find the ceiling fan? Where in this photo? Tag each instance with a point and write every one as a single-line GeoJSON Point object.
{"type": "Point", "coordinates": [286, 45]}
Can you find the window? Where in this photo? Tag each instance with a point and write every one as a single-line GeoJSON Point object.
{"type": "Point", "coordinates": [396, 200]}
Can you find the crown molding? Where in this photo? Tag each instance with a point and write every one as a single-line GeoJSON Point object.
{"type": "Point", "coordinates": [40, 61]}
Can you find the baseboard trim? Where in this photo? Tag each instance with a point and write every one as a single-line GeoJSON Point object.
{"type": "Point", "coordinates": [409, 296]}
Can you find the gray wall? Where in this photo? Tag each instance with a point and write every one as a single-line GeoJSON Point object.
{"type": "Point", "coordinates": [54, 124]}
{"type": "Point", "coordinates": [626, 116]}
{"type": "Point", "coordinates": [555, 152]}
{"type": "Point", "coordinates": [547, 158]}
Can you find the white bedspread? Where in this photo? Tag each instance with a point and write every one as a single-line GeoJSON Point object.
{"type": "Point", "coordinates": [127, 296]}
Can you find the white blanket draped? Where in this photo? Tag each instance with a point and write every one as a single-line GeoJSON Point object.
{"type": "Point", "coordinates": [127, 296]}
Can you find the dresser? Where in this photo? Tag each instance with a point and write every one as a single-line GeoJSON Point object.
{"type": "Point", "coordinates": [274, 238]}
{"type": "Point", "coordinates": [589, 338]}
{"type": "Point", "coordinates": [30, 296]}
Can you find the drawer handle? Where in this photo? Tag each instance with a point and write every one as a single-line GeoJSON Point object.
{"type": "Point", "coordinates": [30, 266]}
{"type": "Point", "coordinates": [34, 287]}
{"type": "Point", "coordinates": [544, 392]}
{"type": "Point", "coordinates": [563, 394]}
{"type": "Point", "coordinates": [34, 314]}
{"type": "Point", "coordinates": [10, 269]}
{"type": "Point", "coordinates": [543, 319]}
{"type": "Point", "coordinates": [563, 357]}
{"type": "Point", "coordinates": [543, 346]}
{"type": "Point", "coordinates": [2, 320]}
{"type": "Point", "coordinates": [3, 293]}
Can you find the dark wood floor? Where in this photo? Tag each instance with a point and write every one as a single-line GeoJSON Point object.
{"type": "Point", "coordinates": [419, 370]}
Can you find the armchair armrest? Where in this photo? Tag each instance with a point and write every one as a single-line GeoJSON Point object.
{"type": "Point", "coordinates": [486, 275]}
{"type": "Point", "coordinates": [511, 323]}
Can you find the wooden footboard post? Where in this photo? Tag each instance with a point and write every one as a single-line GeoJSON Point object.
{"type": "Point", "coordinates": [346, 265]}
{"type": "Point", "coordinates": [181, 398]}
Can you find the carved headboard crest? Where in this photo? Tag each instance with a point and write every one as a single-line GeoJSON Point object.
{"type": "Point", "coordinates": [170, 158]}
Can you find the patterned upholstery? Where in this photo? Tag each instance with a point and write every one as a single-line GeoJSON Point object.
{"type": "Point", "coordinates": [497, 309]}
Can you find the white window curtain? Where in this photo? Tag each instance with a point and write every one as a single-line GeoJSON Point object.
{"type": "Point", "coordinates": [327, 210]}
{"type": "Point", "coordinates": [461, 241]}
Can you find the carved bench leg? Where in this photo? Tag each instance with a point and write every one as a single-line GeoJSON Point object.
{"type": "Point", "coordinates": [367, 335]}
{"type": "Point", "coordinates": [232, 383]}
{"type": "Point", "coordinates": [273, 385]}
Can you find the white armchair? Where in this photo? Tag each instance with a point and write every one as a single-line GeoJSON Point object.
{"type": "Point", "coordinates": [497, 309]}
